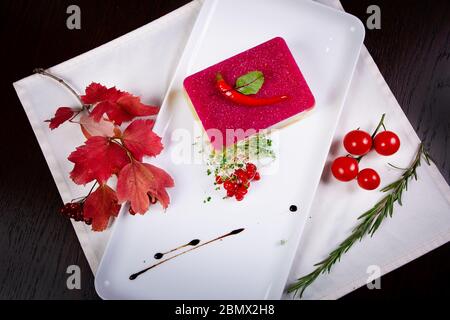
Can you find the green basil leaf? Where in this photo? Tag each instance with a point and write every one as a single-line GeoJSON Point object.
{"type": "Point", "coordinates": [250, 83]}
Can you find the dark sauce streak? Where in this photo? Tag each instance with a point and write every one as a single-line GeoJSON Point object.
{"type": "Point", "coordinates": [192, 243]}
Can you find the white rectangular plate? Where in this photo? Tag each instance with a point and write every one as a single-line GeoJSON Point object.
{"type": "Point", "coordinates": [254, 264]}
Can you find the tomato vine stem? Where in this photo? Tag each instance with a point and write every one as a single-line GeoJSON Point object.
{"type": "Point", "coordinates": [379, 126]}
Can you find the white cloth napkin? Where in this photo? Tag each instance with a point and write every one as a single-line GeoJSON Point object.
{"type": "Point", "coordinates": [143, 62]}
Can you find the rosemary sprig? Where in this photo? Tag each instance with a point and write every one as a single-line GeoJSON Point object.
{"type": "Point", "coordinates": [369, 223]}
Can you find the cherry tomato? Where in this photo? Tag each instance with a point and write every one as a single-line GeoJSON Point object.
{"type": "Point", "coordinates": [358, 142]}
{"type": "Point", "coordinates": [369, 179]}
{"type": "Point", "coordinates": [386, 143]}
{"type": "Point", "coordinates": [345, 169]}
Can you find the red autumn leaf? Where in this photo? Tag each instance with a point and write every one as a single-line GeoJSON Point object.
{"type": "Point", "coordinates": [119, 106]}
{"type": "Point", "coordinates": [62, 115]}
{"type": "Point", "coordinates": [91, 128]}
{"type": "Point", "coordinates": [139, 180]}
{"type": "Point", "coordinates": [100, 206]}
{"type": "Point", "coordinates": [96, 93]}
{"type": "Point", "coordinates": [141, 141]}
{"type": "Point", "coordinates": [125, 109]}
{"type": "Point", "coordinates": [98, 160]}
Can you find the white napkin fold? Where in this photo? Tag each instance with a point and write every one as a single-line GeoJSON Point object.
{"type": "Point", "coordinates": [143, 61]}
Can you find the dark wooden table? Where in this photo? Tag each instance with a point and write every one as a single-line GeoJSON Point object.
{"type": "Point", "coordinates": [412, 49]}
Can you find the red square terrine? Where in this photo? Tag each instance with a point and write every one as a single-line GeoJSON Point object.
{"type": "Point", "coordinates": [282, 77]}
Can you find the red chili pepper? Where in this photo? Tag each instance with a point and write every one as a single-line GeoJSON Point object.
{"type": "Point", "coordinates": [230, 93]}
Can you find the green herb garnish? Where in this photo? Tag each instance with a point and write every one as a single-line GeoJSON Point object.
{"type": "Point", "coordinates": [207, 200]}
{"type": "Point", "coordinates": [250, 83]}
{"type": "Point", "coordinates": [257, 147]}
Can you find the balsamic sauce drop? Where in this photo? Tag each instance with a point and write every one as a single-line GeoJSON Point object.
{"type": "Point", "coordinates": [158, 255]}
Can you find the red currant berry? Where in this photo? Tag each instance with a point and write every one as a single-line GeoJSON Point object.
{"type": "Point", "coordinates": [369, 179]}
{"type": "Point", "coordinates": [242, 190]}
{"type": "Point", "coordinates": [239, 197]}
{"type": "Point", "coordinates": [244, 181]}
{"type": "Point", "coordinates": [241, 174]}
{"type": "Point", "coordinates": [257, 176]}
{"type": "Point", "coordinates": [230, 193]}
{"type": "Point", "coordinates": [219, 180]}
{"type": "Point", "coordinates": [250, 167]}
{"type": "Point", "coordinates": [229, 185]}
{"type": "Point", "coordinates": [71, 210]}
{"type": "Point", "coordinates": [345, 169]}
{"type": "Point", "coordinates": [251, 170]}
